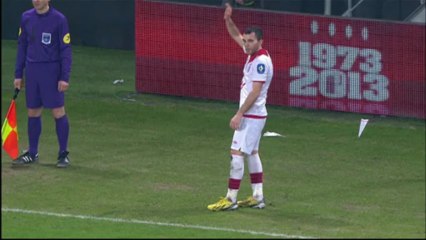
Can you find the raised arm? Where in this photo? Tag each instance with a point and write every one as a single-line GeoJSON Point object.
{"type": "Point", "coordinates": [233, 30]}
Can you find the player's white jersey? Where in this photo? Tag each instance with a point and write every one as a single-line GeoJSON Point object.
{"type": "Point", "coordinates": [258, 68]}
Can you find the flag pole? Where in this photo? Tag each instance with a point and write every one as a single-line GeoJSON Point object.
{"type": "Point", "coordinates": [16, 93]}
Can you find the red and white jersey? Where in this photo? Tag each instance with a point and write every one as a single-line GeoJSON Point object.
{"type": "Point", "coordinates": [258, 68]}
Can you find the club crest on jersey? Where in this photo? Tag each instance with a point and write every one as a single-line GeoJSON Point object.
{"type": "Point", "coordinates": [261, 68]}
{"type": "Point", "coordinates": [46, 38]}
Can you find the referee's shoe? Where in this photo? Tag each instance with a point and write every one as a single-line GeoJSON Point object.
{"type": "Point", "coordinates": [25, 159]}
{"type": "Point", "coordinates": [63, 160]}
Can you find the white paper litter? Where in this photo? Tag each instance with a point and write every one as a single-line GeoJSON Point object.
{"type": "Point", "coordinates": [129, 99]}
{"type": "Point", "coordinates": [272, 134]}
{"type": "Point", "coordinates": [117, 81]}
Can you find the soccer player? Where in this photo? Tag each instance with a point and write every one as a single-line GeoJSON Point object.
{"type": "Point", "coordinates": [44, 51]}
{"type": "Point", "coordinates": [249, 120]}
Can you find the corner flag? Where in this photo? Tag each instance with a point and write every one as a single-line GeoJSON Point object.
{"type": "Point", "coordinates": [9, 130]}
{"type": "Point", "coordinates": [362, 125]}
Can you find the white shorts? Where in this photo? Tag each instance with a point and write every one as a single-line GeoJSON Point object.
{"type": "Point", "coordinates": [247, 138]}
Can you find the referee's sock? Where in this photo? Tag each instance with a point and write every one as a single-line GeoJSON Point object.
{"type": "Point", "coordinates": [34, 132]}
{"type": "Point", "coordinates": [62, 131]}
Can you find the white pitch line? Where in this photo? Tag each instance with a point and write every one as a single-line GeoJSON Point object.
{"type": "Point", "coordinates": [136, 221]}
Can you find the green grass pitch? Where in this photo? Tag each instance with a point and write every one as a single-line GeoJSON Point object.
{"type": "Point", "coordinates": [147, 166]}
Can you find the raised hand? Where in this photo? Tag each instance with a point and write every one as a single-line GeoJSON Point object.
{"type": "Point", "coordinates": [228, 11]}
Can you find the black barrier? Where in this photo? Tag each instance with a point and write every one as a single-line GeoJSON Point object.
{"type": "Point", "coordinates": [396, 10]}
{"type": "Point", "coordinates": [97, 23]}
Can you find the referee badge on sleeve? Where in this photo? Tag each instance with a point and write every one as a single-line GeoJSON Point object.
{"type": "Point", "coordinates": [261, 68]}
{"type": "Point", "coordinates": [67, 38]}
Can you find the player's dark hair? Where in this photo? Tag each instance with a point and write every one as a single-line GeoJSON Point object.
{"type": "Point", "coordinates": [256, 30]}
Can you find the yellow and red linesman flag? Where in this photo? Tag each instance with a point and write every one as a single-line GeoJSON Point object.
{"type": "Point", "coordinates": [9, 132]}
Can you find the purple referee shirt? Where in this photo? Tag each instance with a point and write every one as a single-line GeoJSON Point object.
{"type": "Point", "coordinates": [44, 38]}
